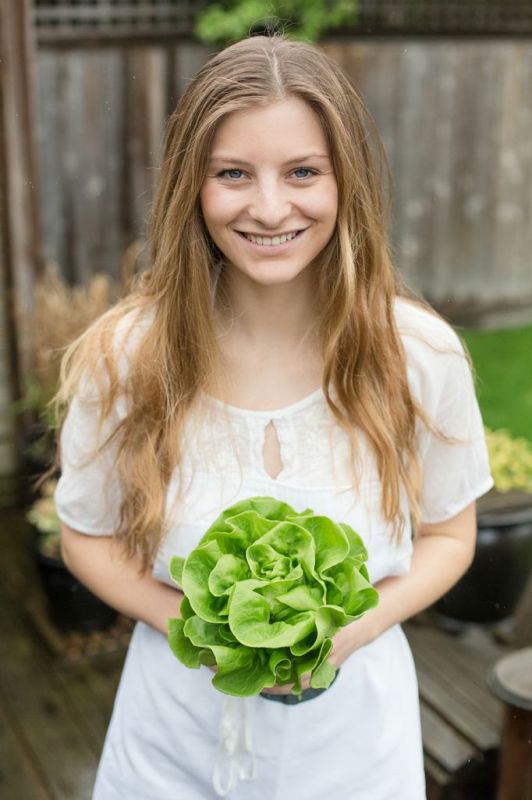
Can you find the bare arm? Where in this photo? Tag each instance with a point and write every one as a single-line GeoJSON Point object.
{"type": "Point", "coordinates": [100, 564]}
{"type": "Point", "coordinates": [442, 553]}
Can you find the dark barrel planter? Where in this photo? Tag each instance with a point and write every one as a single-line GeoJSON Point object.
{"type": "Point", "coordinates": [71, 606]}
{"type": "Point", "coordinates": [490, 590]}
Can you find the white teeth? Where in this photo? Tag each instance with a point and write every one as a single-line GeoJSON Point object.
{"type": "Point", "coordinates": [271, 240]}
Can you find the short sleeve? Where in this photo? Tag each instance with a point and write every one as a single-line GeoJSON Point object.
{"type": "Point", "coordinates": [455, 469]}
{"type": "Point", "coordinates": [88, 495]}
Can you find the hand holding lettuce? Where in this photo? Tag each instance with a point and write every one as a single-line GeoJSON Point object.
{"type": "Point", "coordinates": [265, 591]}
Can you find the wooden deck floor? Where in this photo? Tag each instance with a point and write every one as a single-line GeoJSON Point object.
{"type": "Point", "coordinates": [53, 715]}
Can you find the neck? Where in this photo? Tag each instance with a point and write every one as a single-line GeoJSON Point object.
{"type": "Point", "coordinates": [271, 317]}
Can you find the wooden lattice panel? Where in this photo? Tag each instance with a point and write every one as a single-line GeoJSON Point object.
{"type": "Point", "coordinates": [445, 17]}
{"type": "Point", "coordinates": [64, 20]}
{"type": "Point", "coordinates": [111, 19]}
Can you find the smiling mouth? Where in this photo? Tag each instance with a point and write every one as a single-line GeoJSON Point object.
{"type": "Point", "coordinates": [271, 241]}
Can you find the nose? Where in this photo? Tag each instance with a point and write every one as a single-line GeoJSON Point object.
{"type": "Point", "coordinates": [270, 204]}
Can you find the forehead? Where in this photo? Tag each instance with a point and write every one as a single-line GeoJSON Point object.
{"type": "Point", "coordinates": [286, 127]}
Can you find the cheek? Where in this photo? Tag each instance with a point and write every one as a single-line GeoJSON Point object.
{"type": "Point", "coordinates": [217, 206]}
{"type": "Point", "coordinates": [325, 204]}
{"type": "Point", "coordinates": [327, 211]}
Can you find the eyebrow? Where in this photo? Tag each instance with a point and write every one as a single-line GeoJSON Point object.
{"type": "Point", "coordinates": [232, 160]}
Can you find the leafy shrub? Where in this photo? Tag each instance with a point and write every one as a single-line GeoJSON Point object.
{"type": "Point", "coordinates": [510, 460]}
{"type": "Point", "coordinates": [300, 19]}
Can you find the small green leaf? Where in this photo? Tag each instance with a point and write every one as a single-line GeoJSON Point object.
{"type": "Point", "coordinates": [229, 570]}
{"type": "Point", "coordinates": [176, 570]}
{"type": "Point", "coordinates": [186, 652]}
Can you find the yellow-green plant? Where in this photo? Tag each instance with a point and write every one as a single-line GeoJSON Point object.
{"type": "Point", "coordinates": [510, 460]}
{"type": "Point", "coordinates": [229, 21]}
{"type": "Point", "coordinates": [43, 516]}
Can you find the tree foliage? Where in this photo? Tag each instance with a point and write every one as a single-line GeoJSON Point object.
{"type": "Point", "coordinates": [306, 20]}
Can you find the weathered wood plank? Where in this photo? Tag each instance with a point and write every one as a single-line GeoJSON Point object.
{"type": "Point", "coordinates": [19, 775]}
{"type": "Point", "coordinates": [454, 686]}
{"type": "Point", "coordinates": [454, 706]}
{"type": "Point", "coordinates": [91, 707]}
{"type": "Point", "coordinates": [437, 779]}
{"type": "Point", "coordinates": [81, 694]}
{"type": "Point", "coordinates": [103, 677]}
{"type": "Point", "coordinates": [467, 662]}
{"type": "Point", "coordinates": [19, 226]}
{"type": "Point", "coordinates": [146, 103]}
{"type": "Point", "coordinates": [512, 190]}
{"type": "Point", "coordinates": [50, 78]}
{"type": "Point", "coordinates": [44, 714]}
{"type": "Point", "coordinates": [460, 719]}
{"type": "Point", "coordinates": [18, 179]}
{"type": "Point", "coordinates": [442, 743]}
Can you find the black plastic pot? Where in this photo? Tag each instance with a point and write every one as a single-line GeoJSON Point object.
{"type": "Point", "coordinates": [490, 590]}
{"type": "Point", "coordinates": [72, 607]}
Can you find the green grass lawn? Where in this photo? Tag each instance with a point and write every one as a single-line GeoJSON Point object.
{"type": "Point", "coordinates": [503, 365]}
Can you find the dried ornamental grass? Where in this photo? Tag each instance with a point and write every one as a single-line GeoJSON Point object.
{"type": "Point", "coordinates": [60, 314]}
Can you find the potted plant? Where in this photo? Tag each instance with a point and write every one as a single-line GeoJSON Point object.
{"type": "Point", "coordinates": [490, 590]}
{"type": "Point", "coordinates": [71, 606]}
{"type": "Point", "coordinates": [60, 313]}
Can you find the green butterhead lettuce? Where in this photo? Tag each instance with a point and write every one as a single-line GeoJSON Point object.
{"type": "Point", "coordinates": [266, 590]}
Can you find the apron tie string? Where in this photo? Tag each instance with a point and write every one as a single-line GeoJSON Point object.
{"type": "Point", "coordinates": [235, 758]}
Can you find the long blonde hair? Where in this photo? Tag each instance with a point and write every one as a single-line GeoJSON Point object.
{"type": "Point", "coordinates": [364, 361]}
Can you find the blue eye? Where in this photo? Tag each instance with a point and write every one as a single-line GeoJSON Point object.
{"type": "Point", "coordinates": [225, 173]}
{"type": "Point", "coordinates": [306, 169]}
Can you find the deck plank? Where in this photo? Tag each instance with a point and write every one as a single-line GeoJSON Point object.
{"type": "Point", "coordinates": [44, 713]}
{"type": "Point", "coordinates": [86, 706]}
{"type": "Point", "coordinates": [19, 776]}
{"type": "Point", "coordinates": [443, 744]}
{"type": "Point", "coordinates": [61, 710]}
{"type": "Point", "coordinates": [453, 681]}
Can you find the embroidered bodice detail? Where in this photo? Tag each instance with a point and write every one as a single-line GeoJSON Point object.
{"type": "Point", "coordinates": [227, 439]}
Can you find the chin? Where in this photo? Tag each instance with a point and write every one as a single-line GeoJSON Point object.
{"type": "Point", "coordinates": [273, 277]}
{"type": "Point", "coordinates": [270, 272]}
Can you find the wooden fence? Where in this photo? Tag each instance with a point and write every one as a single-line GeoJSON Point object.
{"type": "Point", "coordinates": [456, 119]}
{"type": "Point", "coordinates": [18, 227]}
{"type": "Point", "coordinates": [455, 116]}
{"type": "Point", "coordinates": [101, 120]}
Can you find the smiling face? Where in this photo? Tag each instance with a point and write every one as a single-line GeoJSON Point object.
{"type": "Point", "coordinates": [270, 198]}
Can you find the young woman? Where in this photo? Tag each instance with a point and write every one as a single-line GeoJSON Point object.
{"type": "Point", "coordinates": [269, 351]}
